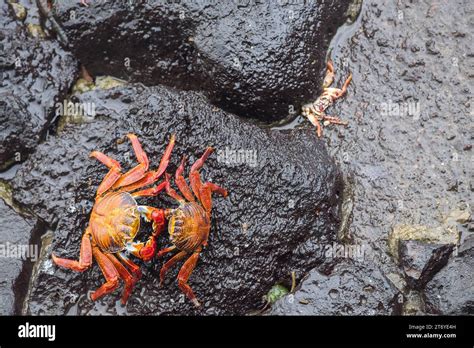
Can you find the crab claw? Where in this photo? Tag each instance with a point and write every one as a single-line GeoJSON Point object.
{"type": "Point", "coordinates": [156, 216]}
{"type": "Point", "coordinates": [148, 251]}
{"type": "Point", "coordinates": [143, 251]}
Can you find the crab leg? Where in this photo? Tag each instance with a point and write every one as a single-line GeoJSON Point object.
{"type": "Point", "coordinates": [184, 275]}
{"type": "Point", "coordinates": [110, 273]}
{"type": "Point", "coordinates": [152, 176]}
{"type": "Point", "coordinates": [112, 176]}
{"type": "Point", "coordinates": [179, 256]}
{"type": "Point", "coordinates": [206, 192]}
{"type": "Point", "coordinates": [329, 78]}
{"type": "Point", "coordinates": [137, 274]}
{"type": "Point", "coordinates": [313, 119]}
{"type": "Point", "coordinates": [335, 120]}
{"type": "Point", "coordinates": [165, 251]}
{"type": "Point", "coordinates": [138, 171]}
{"type": "Point", "coordinates": [125, 275]}
{"type": "Point", "coordinates": [346, 84]}
{"type": "Point", "coordinates": [181, 182]}
{"type": "Point", "coordinates": [194, 177]}
{"type": "Point", "coordinates": [85, 257]}
{"type": "Point", "coordinates": [170, 191]}
{"type": "Point", "coordinates": [150, 192]}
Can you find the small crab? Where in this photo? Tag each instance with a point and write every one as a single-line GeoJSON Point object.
{"type": "Point", "coordinates": [115, 221]}
{"type": "Point", "coordinates": [315, 111]}
{"type": "Point", "coordinates": [190, 223]}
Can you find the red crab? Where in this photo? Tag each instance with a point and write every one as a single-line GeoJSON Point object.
{"type": "Point", "coordinates": [315, 111]}
{"type": "Point", "coordinates": [115, 221]}
{"type": "Point", "coordinates": [190, 223]}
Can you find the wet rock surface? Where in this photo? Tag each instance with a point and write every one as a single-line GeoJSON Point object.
{"type": "Point", "coordinates": [284, 199]}
{"type": "Point", "coordinates": [409, 108]}
{"type": "Point", "coordinates": [421, 261]}
{"type": "Point", "coordinates": [352, 288]}
{"type": "Point", "coordinates": [15, 234]}
{"type": "Point", "coordinates": [451, 292]}
{"type": "Point", "coordinates": [407, 152]}
{"type": "Point", "coordinates": [16, 141]}
{"type": "Point", "coordinates": [413, 303]}
{"type": "Point", "coordinates": [421, 251]}
{"type": "Point", "coordinates": [34, 74]}
{"type": "Point", "coordinates": [256, 59]}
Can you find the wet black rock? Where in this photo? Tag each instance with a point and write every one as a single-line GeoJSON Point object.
{"type": "Point", "coordinates": [35, 73]}
{"type": "Point", "coordinates": [15, 253]}
{"type": "Point", "coordinates": [352, 288]}
{"type": "Point", "coordinates": [402, 175]}
{"type": "Point", "coordinates": [18, 136]}
{"type": "Point", "coordinates": [284, 198]}
{"type": "Point", "coordinates": [420, 261]}
{"type": "Point", "coordinates": [451, 291]}
{"type": "Point", "coordinates": [256, 59]}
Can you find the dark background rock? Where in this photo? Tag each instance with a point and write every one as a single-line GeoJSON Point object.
{"type": "Point", "coordinates": [15, 230]}
{"type": "Point", "coordinates": [256, 59]}
{"type": "Point", "coordinates": [467, 246]}
{"type": "Point", "coordinates": [352, 288]}
{"type": "Point", "coordinates": [35, 74]}
{"type": "Point", "coordinates": [19, 136]}
{"type": "Point", "coordinates": [420, 261]}
{"type": "Point", "coordinates": [277, 212]}
{"type": "Point", "coordinates": [451, 292]}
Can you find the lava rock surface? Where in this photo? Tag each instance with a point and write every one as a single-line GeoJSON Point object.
{"type": "Point", "coordinates": [420, 261]}
{"type": "Point", "coordinates": [284, 200]}
{"type": "Point", "coordinates": [35, 74]}
{"type": "Point", "coordinates": [352, 288]}
{"type": "Point", "coordinates": [16, 251]}
{"type": "Point", "coordinates": [451, 292]}
{"type": "Point", "coordinates": [255, 59]}
{"type": "Point", "coordinates": [408, 145]}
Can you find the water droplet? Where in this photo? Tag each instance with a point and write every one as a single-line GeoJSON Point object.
{"type": "Point", "coordinates": [334, 294]}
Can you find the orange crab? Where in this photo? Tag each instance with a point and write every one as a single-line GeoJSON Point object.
{"type": "Point", "coordinates": [190, 223]}
{"type": "Point", "coordinates": [315, 111]}
{"type": "Point", "coordinates": [115, 221]}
